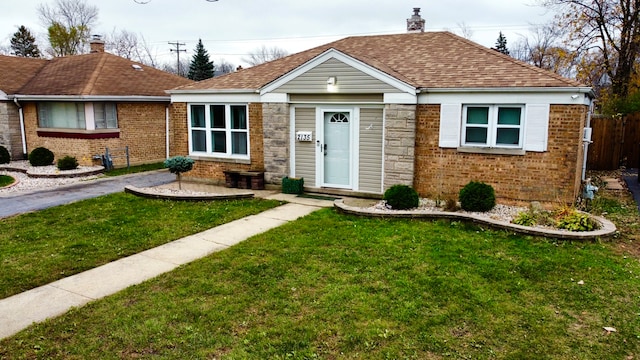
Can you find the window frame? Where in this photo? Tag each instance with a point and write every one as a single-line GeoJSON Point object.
{"type": "Point", "coordinates": [228, 129]}
{"type": "Point", "coordinates": [105, 105]}
{"type": "Point", "coordinates": [45, 120]}
{"type": "Point", "coordinates": [492, 126]}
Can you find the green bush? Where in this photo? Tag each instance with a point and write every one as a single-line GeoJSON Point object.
{"type": "Point", "coordinates": [68, 163]}
{"type": "Point", "coordinates": [577, 221]}
{"type": "Point", "coordinates": [41, 156]}
{"type": "Point", "coordinates": [401, 197]}
{"type": "Point", "coordinates": [477, 196]}
{"type": "Point", "coordinates": [5, 158]}
{"type": "Point", "coordinates": [178, 165]}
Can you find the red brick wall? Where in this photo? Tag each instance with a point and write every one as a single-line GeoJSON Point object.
{"type": "Point", "coordinates": [212, 170]}
{"type": "Point", "coordinates": [142, 128]}
{"type": "Point", "coordinates": [551, 176]}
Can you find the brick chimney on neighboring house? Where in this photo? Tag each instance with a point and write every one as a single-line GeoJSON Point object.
{"type": "Point", "coordinates": [416, 22]}
{"type": "Point", "coordinates": [96, 44]}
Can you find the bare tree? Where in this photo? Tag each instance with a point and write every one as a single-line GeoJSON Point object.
{"type": "Point", "coordinates": [224, 67]}
{"type": "Point", "coordinates": [545, 49]}
{"type": "Point", "coordinates": [465, 31]}
{"type": "Point", "coordinates": [264, 54]}
{"type": "Point", "coordinates": [172, 67]}
{"type": "Point", "coordinates": [68, 23]}
{"type": "Point", "coordinates": [130, 46]}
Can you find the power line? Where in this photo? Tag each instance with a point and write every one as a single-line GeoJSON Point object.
{"type": "Point", "coordinates": [178, 51]}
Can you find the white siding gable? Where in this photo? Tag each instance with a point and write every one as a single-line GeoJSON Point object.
{"type": "Point", "coordinates": [450, 121]}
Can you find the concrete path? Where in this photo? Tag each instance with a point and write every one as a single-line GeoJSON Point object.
{"type": "Point", "coordinates": [20, 311]}
{"type": "Point", "coordinates": [42, 199]}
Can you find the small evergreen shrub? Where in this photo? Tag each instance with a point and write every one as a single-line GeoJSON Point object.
{"type": "Point", "coordinates": [68, 163]}
{"type": "Point", "coordinates": [401, 197]}
{"type": "Point", "coordinates": [40, 156]}
{"type": "Point", "coordinates": [477, 196]}
{"type": "Point", "coordinates": [5, 158]}
{"type": "Point", "coordinates": [178, 165]}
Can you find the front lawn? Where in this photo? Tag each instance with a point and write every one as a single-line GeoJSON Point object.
{"type": "Point", "coordinates": [331, 286]}
{"type": "Point", "coordinates": [44, 246]}
{"type": "Point", "coordinates": [6, 180]}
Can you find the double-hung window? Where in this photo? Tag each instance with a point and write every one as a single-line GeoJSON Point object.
{"type": "Point", "coordinates": [63, 115]}
{"type": "Point", "coordinates": [105, 115]}
{"type": "Point", "coordinates": [219, 130]}
{"type": "Point", "coordinates": [493, 126]}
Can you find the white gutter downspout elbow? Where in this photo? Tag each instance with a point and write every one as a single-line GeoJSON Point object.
{"type": "Point", "coordinates": [23, 135]}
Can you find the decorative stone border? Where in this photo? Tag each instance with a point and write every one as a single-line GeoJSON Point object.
{"type": "Point", "coordinates": [63, 174]}
{"type": "Point", "coordinates": [14, 183]}
{"type": "Point", "coordinates": [149, 193]}
{"type": "Point", "coordinates": [607, 228]}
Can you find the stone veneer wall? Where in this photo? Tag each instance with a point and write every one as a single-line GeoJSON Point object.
{"type": "Point", "coordinates": [10, 136]}
{"type": "Point", "coordinates": [276, 141]}
{"type": "Point", "coordinates": [142, 128]}
{"type": "Point", "coordinates": [212, 170]}
{"type": "Point", "coordinates": [551, 177]}
{"type": "Point", "coordinates": [399, 145]}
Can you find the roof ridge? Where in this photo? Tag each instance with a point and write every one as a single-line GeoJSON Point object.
{"type": "Point", "coordinates": [91, 82]}
{"type": "Point", "coordinates": [569, 82]}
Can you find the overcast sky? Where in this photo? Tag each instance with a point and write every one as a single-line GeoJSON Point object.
{"type": "Point", "coordinates": [230, 29]}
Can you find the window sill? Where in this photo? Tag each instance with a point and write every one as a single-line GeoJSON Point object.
{"type": "Point", "coordinates": [78, 133]}
{"type": "Point", "coordinates": [491, 151]}
{"type": "Point", "coordinates": [221, 159]}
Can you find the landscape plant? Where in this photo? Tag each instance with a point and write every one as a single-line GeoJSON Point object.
{"type": "Point", "coordinates": [68, 163]}
{"type": "Point", "coordinates": [41, 156]}
{"type": "Point", "coordinates": [477, 196]}
{"type": "Point", "coordinates": [5, 158]}
{"type": "Point", "coordinates": [401, 197]}
{"type": "Point", "coordinates": [178, 165]}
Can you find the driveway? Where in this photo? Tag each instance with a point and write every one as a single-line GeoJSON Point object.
{"type": "Point", "coordinates": [19, 203]}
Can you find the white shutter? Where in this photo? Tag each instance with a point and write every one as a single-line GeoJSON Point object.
{"type": "Point", "coordinates": [450, 117]}
{"type": "Point", "coordinates": [536, 127]}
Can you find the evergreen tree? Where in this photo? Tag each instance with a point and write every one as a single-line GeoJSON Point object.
{"type": "Point", "coordinates": [501, 44]}
{"type": "Point", "coordinates": [24, 44]}
{"type": "Point", "coordinates": [200, 67]}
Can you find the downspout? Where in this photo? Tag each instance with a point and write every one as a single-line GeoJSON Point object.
{"type": "Point", "coordinates": [166, 130]}
{"type": "Point", "coordinates": [586, 142]}
{"type": "Point", "coordinates": [23, 135]}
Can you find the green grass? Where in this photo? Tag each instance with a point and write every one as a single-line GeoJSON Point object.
{"type": "Point", "coordinates": [37, 248]}
{"type": "Point", "coordinates": [135, 169]}
{"type": "Point", "coordinates": [332, 286]}
{"type": "Point", "coordinates": [6, 180]}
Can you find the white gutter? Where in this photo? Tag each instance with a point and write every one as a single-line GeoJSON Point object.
{"type": "Point", "coordinates": [23, 136]}
{"type": "Point", "coordinates": [582, 90]}
{"type": "Point", "coordinates": [166, 114]}
{"type": "Point", "coordinates": [213, 91]}
{"type": "Point", "coordinates": [132, 98]}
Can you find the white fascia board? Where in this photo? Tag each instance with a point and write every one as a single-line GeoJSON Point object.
{"type": "Point", "coordinates": [3, 95]}
{"type": "Point", "coordinates": [275, 98]}
{"type": "Point", "coordinates": [209, 97]}
{"type": "Point", "coordinates": [340, 56]}
{"type": "Point", "coordinates": [560, 96]}
{"type": "Point", "coordinates": [132, 98]}
{"type": "Point", "coordinates": [400, 98]}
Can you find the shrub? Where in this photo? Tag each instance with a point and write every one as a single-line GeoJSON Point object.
{"type": "Point", "coordinates": [451, 205]}
{"type": "Point", "coordinates": [401, 197]}
{"type": "Point", "coordinates": [477, 196]}
{"type": "Point", "coordinates": [5, 158]}
{"type": "Point", "coordinates": [68, 163]}
{"type": "Point", "coordinates": [178, 165]}
{"type": "Point", "coordinates": [41, 156]}
{"type": "Point", "coordinates": [577, 221]}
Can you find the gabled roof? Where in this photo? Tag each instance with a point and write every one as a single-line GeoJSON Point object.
{"type": "Point", "coordinates": [95, 74]}
{"type": "Point", "coordinates": [15, 72]}
{"type": "Point", "coordinates": [430, 60]}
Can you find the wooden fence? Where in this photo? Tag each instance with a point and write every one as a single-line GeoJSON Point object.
{"type": "Point", "coordinates": [616, 142]}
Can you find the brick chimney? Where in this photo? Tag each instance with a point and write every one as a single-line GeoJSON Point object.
{"type": "Point", "coordinates": [415, 24]}
{"type": "Point", "coordinates": [96, 44]}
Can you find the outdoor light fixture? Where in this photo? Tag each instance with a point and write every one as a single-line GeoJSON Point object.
{"type": "Point", "coordinates": [331, 84]}
{"type": "Point", "coordinates": [331, 80]}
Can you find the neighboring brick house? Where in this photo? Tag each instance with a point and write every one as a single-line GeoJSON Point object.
{"type": "Point", "coordinates": [79, 105]}
{"type": "Point", "coordinates": [355, 116]}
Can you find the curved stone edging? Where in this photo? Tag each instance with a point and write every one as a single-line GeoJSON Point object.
{"type": "Point", "coordinates": [54, 175]}
{"type": "Point", "coordinates": [185, 197]}
{"type": "Point", "coordinates": [14, 183]}
{"type": "Point", "coordinates": [607, 228]}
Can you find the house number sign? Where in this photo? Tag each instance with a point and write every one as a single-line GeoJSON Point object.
{"type": "Point", "coordinates": [303, 136]}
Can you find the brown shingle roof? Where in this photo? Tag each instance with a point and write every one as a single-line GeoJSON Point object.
{"type": "Point", "coordinates": [424, 60]}
{"type": "Point", "coordinates": [96, 74]}
{"type": "Point", "coordinates": [15, 72]}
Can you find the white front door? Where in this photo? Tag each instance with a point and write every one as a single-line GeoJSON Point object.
{"type": "Point", "coordinates": [337, 149]}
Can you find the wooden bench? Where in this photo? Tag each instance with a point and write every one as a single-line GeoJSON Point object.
{"type": "Point", "coordinates": [244, 179]}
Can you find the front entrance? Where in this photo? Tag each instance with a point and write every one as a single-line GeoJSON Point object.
{"type": "Point", "coordinates": [336, 150]}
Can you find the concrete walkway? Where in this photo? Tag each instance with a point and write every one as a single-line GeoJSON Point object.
{"type": "Point", "coordinates": [20, 311]}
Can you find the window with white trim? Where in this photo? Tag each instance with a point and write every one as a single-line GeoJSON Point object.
{"type": "Point", "coordinates": [220, 130]}
{"type": "Point", "coordinates": [63, 115]}
{"type": "Point", "coordinates": [105, 115]}
{"type": "Point", "coordinates": [492, 126]}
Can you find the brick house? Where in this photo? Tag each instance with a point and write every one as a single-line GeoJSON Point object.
{"type": "Point", "coordinates": [355, 116]}
{"type": "Point", "coordinates": [79, 105]}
